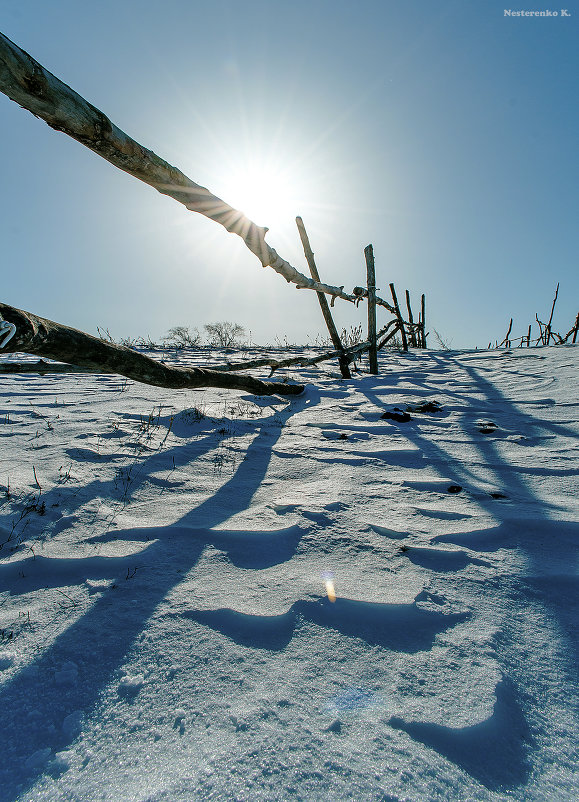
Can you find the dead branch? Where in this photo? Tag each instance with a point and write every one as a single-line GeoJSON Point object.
{"type": "Point", "coordinates": [388, 337]}
{"type": "Point", "coordinates": [30, 334]}
{"type": "Point", "coordinates": [29, 84]}
{"type": "Point", "coordinates": [362, 292]}
{"type": "Point", "coordinates": [413, 327]}
{"type": "Point", "coordinates": [506, 342]}
{"type": "Point", "coordinates": [541, 337]}
{"type": "Point", "coordinates": [334, 336]}
{"type": "Point", "coordinates": [351, 354]}
{"type": "Point", "coordinates": [400, 318]}
{"type": "Point", "coordinates": [548, 333]}
{"type": "Point", "coordinates": [572, 331]}
{"type": "Point", "coordinates": [274, 364]}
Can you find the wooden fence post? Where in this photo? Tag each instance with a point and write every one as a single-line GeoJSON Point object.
{"type": "Point", "coordinates": [371, 283]}
{"type": "Point", "coordinates": [548, 334]}
{"type": "Point", "coordinates": [412, 332]}
{"type": "Point", "coordinates": [506, 341]}
{"type": "Point", "coordinates": [541, 330]}
{"type": "Point", "coordinates": [400, 319]}
{"type": "Point", "coordinates": [334, 336]}
{"type": "Point", "coordinates": [423, 305]}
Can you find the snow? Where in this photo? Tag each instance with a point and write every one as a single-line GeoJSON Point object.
{"type": "Point", "coordinates": [165, 628]}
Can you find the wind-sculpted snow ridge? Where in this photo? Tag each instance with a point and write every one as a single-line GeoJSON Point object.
{"type": "Point", "coordinates": [169, 562]}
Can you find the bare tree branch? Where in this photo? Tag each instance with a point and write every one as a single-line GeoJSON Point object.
{"type": "Point", "coordinates": [26, 82]}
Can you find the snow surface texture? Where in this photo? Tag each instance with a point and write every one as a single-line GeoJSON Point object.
{"type": "Point", "coordinates": [165, 633]}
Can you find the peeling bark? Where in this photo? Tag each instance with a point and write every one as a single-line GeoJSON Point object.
{"type": "Point", "coordinates": [26, 82]}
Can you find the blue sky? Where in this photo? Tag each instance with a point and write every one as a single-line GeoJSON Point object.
{"type": "Point", "coordinates": [442, 132]}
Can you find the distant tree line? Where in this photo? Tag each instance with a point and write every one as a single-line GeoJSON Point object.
{"type": "Point", "coordinates": [223, 334]}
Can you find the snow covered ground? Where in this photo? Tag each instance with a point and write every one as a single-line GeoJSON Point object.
{"type": "Point", "coordinates": [165, 628]}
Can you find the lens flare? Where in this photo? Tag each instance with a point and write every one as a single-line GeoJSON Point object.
{"type": "Point", "coordinates": [329, 585]}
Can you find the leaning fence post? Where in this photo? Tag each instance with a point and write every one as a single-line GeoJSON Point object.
{"type": "Point", "coordinates": [400, 320]}
{"type": "Point", "coordinates": [334, 336]}
{"type": "Point", "coordinates": [506, 340]}
{"type": "Point", "coordinates": [371, 284]}
{"type": "Point", "coordinates": [412, 332]}
{"type": "Point", "coordinates": [548, 335]}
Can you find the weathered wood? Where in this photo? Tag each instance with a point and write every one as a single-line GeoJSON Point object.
{"type": "Point", "coordinates": [529, 335]}
{"type": "Point", "coordinates": [506, 342]}
{"type": "Point", "coordinates": [388, 337]}
{"type": "Point", "coordinates": [45, 338]}
{"type": "Point", "coordinates": [29, 84]}
{"type": "Point", "coordinates": [43, 367]}
{"type": "Point", "coordinates": [423, 319]}
{"type": "Point", "coordinates": [371, 279]}
{"type": "Point", "coordinates": [362, 292]}
{"type": "Point", "coordinates": [400, 318]}
{"type": "Point", "coordinates": [548, 330]}
{"type": "Point", "coordinates": [334, 336]}
{"type": "Point", "coordinates": [412, 331]}
{"type": "Point", "coordinates": [542, 337]}
{"type": "Point", "coordinates": [351, 354]}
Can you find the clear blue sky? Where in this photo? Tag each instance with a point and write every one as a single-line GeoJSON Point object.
{"type": "Point", "coordinates": [440, 131]}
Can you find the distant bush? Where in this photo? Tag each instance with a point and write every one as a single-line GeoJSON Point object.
{"type": "Point", "coordinates": [224, 334]}
{"type": "Point", "coordinates": [182, 336]}
{"type": "Point", "coordinates": [146, 342]}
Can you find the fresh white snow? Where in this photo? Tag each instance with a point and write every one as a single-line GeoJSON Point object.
{"type": "Point", "coordinates": [165, 632]}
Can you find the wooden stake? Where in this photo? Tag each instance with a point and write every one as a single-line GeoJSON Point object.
{"type": "Point", "coordinates": [506, 340]}
{"type": "Point", "coordinates": [541, 330]}
{"type": "Point", "coordinates": [400, 320]}
{"type": "Point", "coordinates": [335, 337]}
{"type": "Point", "coordinates": [423, 304]}
{"type": "Point", "coordinates": [371, 277]}
{"type": "Point", "coordinates": [548, 331]}
{"type": "Point", "coordinates": [529, 336]}
{"type": "Point", "coordinates": [413, 342]}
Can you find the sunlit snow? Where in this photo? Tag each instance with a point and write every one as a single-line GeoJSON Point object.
{"type": "Point", "coordinates": [209, 595]}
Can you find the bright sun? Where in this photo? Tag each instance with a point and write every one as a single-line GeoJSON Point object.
{"type": "Point", "coordinates": [269, 194]}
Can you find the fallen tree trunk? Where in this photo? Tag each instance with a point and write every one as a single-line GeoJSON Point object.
{"type": "Point", "coordinates": [266, 362]}
{"type": "Point", "coordinates": [26, 82]}
{"type": "Point", "coordinates": [23, 332]}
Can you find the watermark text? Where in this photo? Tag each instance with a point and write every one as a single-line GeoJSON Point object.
{"type": "Point", "coordinates": [563, 12]}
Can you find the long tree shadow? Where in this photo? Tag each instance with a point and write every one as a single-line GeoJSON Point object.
{"type": "Point", "coordinates": [494, 752]}
{"type": "Point", "coordinates": [547, 544]}
{"type": "Point", "coordinates": [35, 704]}
{"type": "Point", "coordinates": [398, 627]}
